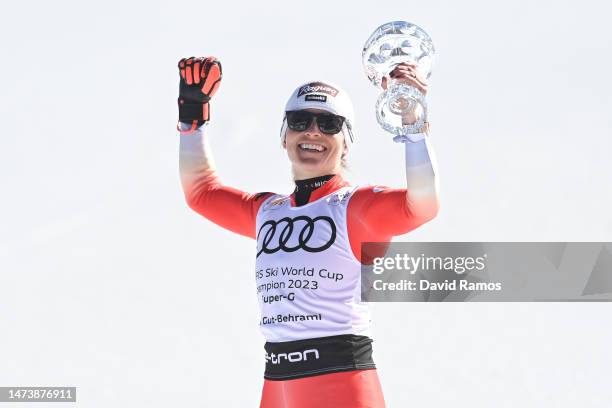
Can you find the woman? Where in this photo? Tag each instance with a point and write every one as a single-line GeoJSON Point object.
{"type": "Point", "coordinates": [308, 261]}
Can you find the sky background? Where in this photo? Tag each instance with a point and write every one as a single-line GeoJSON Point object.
{"type": "Point", "coordinates": [108, 282]}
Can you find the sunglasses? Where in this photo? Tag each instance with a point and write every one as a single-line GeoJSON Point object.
{"type": "Point", "coordinates": [328, 123]}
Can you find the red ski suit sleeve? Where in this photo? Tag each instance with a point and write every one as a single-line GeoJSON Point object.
{"type": "Point", "coordinates": [377, 214]}
{"type": "Point", "coordinates": [227, 207]}
{"type": "Point", "coordinates": [374, 214]}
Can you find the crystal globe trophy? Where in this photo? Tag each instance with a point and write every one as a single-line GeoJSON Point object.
{"type": "Point", "coordinates": [390, 45]}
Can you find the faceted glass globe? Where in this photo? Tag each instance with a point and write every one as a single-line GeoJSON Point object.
{"type": "Point", "coordinates": [393, 43]}
{"type": "Point", "coordinates": [401, 109]}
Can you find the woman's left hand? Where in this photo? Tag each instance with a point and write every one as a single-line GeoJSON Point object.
{"type": "Point", "coordinates": [406, 72]}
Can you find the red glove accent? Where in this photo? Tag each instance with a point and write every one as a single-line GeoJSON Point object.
{"type": "Point", "coordinates": [200, 80]}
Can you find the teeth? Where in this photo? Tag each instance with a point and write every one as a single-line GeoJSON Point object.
{"type": "Point", "coordinates": [311, 146]}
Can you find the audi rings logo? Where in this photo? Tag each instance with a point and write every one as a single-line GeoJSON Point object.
{"type": "Point", "coordinates": [275, 235]}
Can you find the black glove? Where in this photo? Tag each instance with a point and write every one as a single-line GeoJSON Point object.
{"type": "Point", "coordinates": [200, 79]}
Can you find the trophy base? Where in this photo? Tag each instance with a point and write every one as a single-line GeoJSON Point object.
{"type": "Point", "coordinates": [397, 105]}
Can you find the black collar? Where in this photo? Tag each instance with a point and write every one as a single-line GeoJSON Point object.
{"type": "Point", "coordinates": [303, 188]}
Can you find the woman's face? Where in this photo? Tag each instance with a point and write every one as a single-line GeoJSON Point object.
{"type": "Point", "coordinates": [313, 153]}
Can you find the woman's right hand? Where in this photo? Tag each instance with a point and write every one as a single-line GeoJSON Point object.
{"type": "Point", "coordinates": [200, 80]}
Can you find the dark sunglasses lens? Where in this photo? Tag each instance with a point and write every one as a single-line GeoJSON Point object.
{"type": "Point", "coordinates": [299, 120]}
{"type": "Point", "coordinates": [330, 124]}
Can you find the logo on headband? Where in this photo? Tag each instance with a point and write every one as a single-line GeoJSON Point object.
{"type": "Point", "coordinates": [318, 87]}
{"type": "Point", "coordinates": [316, 98]}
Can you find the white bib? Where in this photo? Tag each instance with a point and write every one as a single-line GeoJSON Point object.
{"type": "Point", "coordinates": [308, 279]}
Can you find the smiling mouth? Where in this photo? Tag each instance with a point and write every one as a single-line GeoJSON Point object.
{"type": "Point", "coordinates": [311, 147]}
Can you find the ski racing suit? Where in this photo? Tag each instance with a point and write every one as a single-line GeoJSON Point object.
{"type": "Point", "coordinates": [308, 266]}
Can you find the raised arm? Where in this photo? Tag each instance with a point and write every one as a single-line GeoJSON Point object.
{"type": "Point", "coordinates": [230, 208]}
{"type": "Point", "coordinates": [378, 213]}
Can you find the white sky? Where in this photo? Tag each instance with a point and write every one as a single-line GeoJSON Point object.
{"type": "Point", "coordinates": [109, 283]}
